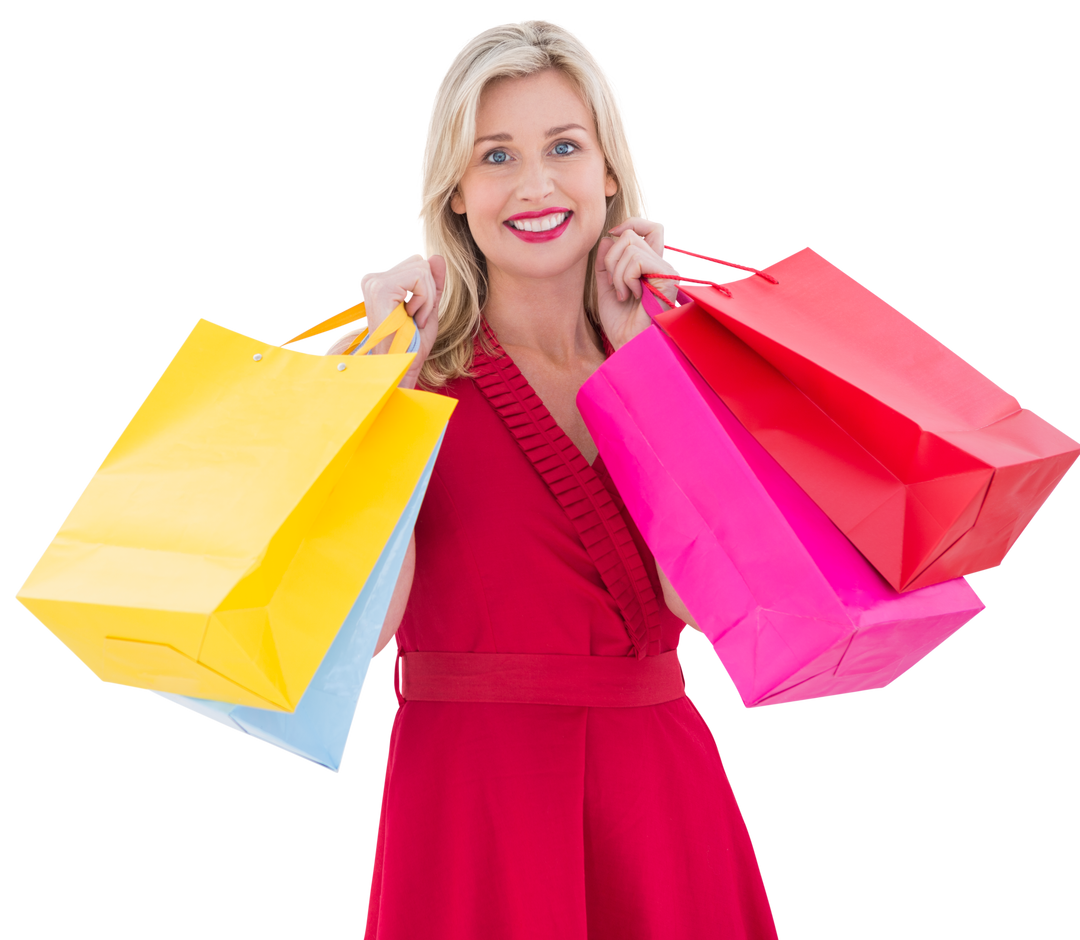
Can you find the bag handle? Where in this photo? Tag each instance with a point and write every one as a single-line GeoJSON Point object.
{"type": "Point", "coordinates": [396, 323]}
{"type": "Point", "coordinates": [716, 260]}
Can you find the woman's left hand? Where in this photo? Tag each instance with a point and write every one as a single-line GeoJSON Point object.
{"type": "Point", "coordinates": [634, 248]}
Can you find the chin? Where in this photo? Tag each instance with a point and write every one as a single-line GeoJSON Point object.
{"type": "Point", "coordinates": [538, 270]}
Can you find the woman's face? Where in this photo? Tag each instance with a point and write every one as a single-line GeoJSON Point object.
{"type": "Point", "coordinates": [535, 189]}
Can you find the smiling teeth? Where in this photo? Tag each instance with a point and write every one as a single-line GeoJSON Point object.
{"type": "Point", "coordinates": [543, 224]}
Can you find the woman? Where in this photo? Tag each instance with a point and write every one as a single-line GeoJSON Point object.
{"type": "Point", "coordinates": [547, 776]}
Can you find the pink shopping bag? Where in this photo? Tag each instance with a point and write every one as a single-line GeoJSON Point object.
{"type": "Point", "coordinates": [791, 607]}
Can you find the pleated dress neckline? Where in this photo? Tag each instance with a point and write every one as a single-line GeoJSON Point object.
{"type": "Point", "coordinates": [576, 486]}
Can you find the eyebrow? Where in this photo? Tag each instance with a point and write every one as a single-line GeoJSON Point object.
{"type": "Point", "coordinates": [503, 137]}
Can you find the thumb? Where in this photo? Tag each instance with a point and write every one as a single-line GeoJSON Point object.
{"type": "Point", "coordinates": [437, 267]}
{"type": "Point", "coordinates": [437, 263]}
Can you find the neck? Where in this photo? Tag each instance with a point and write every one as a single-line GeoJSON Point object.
{"type": "Point", "coordinates": [543, 314]}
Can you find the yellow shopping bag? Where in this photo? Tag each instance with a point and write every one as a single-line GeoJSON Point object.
{"type": "Point", "coordinates": [223, 541]}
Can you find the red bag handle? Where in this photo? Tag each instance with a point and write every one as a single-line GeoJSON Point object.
{"type": "Point", "coordinates": [709, 259]}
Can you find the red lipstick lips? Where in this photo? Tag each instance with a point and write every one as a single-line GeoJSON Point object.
{"type": "Point", "coordinates": [545, 236]}
{"type": "Point", "coordinates": [540, 213]}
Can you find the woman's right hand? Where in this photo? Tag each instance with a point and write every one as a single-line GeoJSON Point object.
{"type": "Point", "coordinates": [385, 290]}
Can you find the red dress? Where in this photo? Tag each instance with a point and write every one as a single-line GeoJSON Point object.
{"type": "Point", "coordinates": [523, 821]}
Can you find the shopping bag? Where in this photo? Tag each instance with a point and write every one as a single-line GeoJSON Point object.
{"type": "Point", "coordinates": [928, 467]}
{"type": "Point", "coordinates": [214, 554]}
{"type": "Point", "coordinates": [792, 609]}
{"type": "Point", "coordinates": [320, 729]}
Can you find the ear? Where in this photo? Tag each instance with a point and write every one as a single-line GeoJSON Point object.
{"type": "Point", "coordinates": [610, 186]}
{"type": "Point", "coordinates": [457, 204]}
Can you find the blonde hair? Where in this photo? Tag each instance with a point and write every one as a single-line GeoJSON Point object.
{"type": "Point", "coordinates": [514, 50]}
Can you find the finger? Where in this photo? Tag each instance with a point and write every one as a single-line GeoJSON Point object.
{"type": "Point", "coordinates": [437, 266]}
{"type": "Point", "coordinates": [430, 288]}
{"type": "Point", "coordinates": [437, 263]}
{"type": "Point", "coordinates": [412, 256]}
{"type": "Point", "coordinates": [654, 238]}
{"type": "Point", "coordinates": [420, 305]}
{"type": "Point", "coordinates": [423, 293]}
{"type": "Point", "coordinates": [360, 280]}
{"type": "Point", "coordinates": [629, 271]}
{"type": "Point", "coordinates": [603, 254]}
{"type": "Point", "coordinates": [617, 265]}
{"type": "Point", "coordinates": [618, 249]}
{"type": "Point", "coordinates": [614, 259]}
{"type": "Point", "coordinates": [641, 260]}
{"type": "Point", "coordinates": [652, 232]}
{"type": "Point", "coordinates": [638, 259]}
{"type": "Point", "coordinates": [626, 284]}
{"type": "Point", "coordinates": [652, 263]}
{"type": "Point", "coordinates": [633, 224]}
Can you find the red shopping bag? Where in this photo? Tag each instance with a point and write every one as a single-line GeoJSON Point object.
{"type": "Point", "coordinates": [930, 469]}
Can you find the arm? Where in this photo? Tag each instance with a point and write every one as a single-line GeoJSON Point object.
{"type": "Point", "coordinates": [674, 602]}
{"type": "Point", "coordinates": [399, 598]}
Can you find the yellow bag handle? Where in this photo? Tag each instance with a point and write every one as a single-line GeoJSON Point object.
{"type": "Point", "coordinates": [395, 323]}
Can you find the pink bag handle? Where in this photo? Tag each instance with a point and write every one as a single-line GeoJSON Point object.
{"type": "Point", "coordinates": [709, 259]}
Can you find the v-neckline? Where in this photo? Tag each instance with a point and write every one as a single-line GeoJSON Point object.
{"type": "Point", "coordinates": [493, 339]}
{"type": "Point", "coordinates": [576, 486]}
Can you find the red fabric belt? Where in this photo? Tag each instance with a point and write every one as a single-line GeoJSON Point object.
{"type": "Point", "coordinates": [541, 679]}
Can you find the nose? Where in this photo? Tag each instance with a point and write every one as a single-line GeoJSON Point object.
{"type": "Point", "coordinates": [534, 182]}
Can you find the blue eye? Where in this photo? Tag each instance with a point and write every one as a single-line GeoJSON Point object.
{"type": "Point", "coordinates": [564, 148]}
{"type": "Point", "coordinates": [497, 156]}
